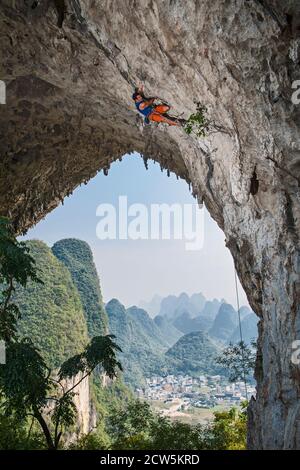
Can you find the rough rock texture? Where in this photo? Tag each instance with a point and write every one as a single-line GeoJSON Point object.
{"type": "Point", "coordinates": [86, 418]}
{"type": "Point", "coordinates": [69, 114]}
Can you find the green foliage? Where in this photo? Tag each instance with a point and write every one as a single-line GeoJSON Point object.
{"type": "Point", "coordinates": [64, 412]}
{"type": "Point", "coordinates": [27, 386]}
{"type": "Point", "coordinates": [194, 354]}
{"type": "Point", "coordinates": [24, 379]}
{"type": "Point", "coordinates": [131, 425]}
{"type": "Point", "coordinates": [175, 435]}
{"type": "Point", "coordinates": [100, 351]}
{"type": "Point", "coordinates": [239, 360]}
{"type": "Point", "coordinates": [134, 426]}
{"type": "Point", "coordinates": [198, 122]}
{"type": "Point", "coordinates": [228, 430]}
{"type": "Point", "coordinates": [138, 427]}
{"type": "Point", "coordinates": [142, 352]}
{"type": "Point", "coordinates": [111, 396]}
{"type": "Point", "coordinates": [51, 313]}
{"type": "Point", "coordinates": [16, 267]}
{"type": "Point", "coordinates": [96, 440]}
{"type": "Point", "coordinates": [19, 434]}
{"type": "Point", "coordinates": [77, 256]}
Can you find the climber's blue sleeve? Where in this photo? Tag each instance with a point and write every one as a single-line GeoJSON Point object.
{"type": "Point", "coordinates": [146, 111]}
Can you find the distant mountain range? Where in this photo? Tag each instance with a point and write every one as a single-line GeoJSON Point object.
{"type": "Point", "coordinates": [172, 305]}
{"type": "Point", "coordinates": [184, 334]}
{"type": "Point", "coordinates": [146, 350]}
{"type": "Point", "coordinates": [170, 333]}
{"type": "Point", "coordinates": [180, 339]}
{"type": "Point", "coordinates": [153, 306]}
{"type": "Point", "coordinates": [183, 314]}
{"type": "Point", "coordinates": [249, 329]}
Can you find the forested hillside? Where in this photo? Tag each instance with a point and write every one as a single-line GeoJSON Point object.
{"type": "Point", "coordinates": [60, 315]}
{"type": "Point", "coordinates": [170, 333]}
{"type": "Point", "coordinates": [52, 312]}
{"type": "Point", "coordinates": [142, 351]}
{"type": "Point", "coordinates": [54, 318]}
{"type": "Point", "coordinates": [78, 258]}
{"type": "Point", "coordinates": [193, 354]}
{"type": "Point", "coordinates": [145, 351]}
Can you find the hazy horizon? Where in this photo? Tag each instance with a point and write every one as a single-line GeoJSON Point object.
{"type": "Point", "coordinates": [135, 270]}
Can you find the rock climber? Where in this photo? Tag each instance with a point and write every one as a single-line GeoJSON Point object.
{"type": "Point", "coordinates": [154, 112]}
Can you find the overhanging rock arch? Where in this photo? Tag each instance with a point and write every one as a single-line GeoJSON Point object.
{"type": "Point", "coordinates": [68, 115]}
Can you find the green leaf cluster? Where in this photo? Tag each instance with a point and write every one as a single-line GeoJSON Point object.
{"type": "Point", "coordinates": [198, 122]}
{"type": "Point", "coordinates": [239, 361]}
{"type": "Point", "coordinates": [101, 350]}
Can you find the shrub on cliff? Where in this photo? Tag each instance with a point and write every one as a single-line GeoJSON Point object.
{"type": "Point", "coordinates": [198, 122]}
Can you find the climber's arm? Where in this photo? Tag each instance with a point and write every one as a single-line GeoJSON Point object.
{"type": "Point", "coordinates": [147, 102]}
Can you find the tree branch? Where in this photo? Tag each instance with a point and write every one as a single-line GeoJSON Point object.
{"type": "Point", "coordinates": [79, 381]}
{"type": "Point", "coordinates": [44, 426]}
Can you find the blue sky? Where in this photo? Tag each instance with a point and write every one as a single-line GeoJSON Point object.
{"type": "Point", "coordinates": [133, 270]}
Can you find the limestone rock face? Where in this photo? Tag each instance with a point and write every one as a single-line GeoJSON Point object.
{"type": "Point", "coordinates": [69, 114]}
{"type": "Point", "coordinates": [86, 418]}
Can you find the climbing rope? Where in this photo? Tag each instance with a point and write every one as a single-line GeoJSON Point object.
{"type": "Point", "coordinates": [241, 333]}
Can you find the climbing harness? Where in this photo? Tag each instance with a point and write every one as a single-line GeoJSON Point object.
{"type": "Point", "coordinates": [155, 109]}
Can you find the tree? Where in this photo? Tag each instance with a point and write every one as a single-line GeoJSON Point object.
{"type": "Point", "coordinates": [228, 431]}
{"type": "Point", "coordinates": [16, 435]}
{"type": "Point", "coordinates": [28, 388]}
{"type": "Point", "coordinates": [137, 427]}
{"type": "Point", "coordinates": [239, 360]}
{"type": "Point", "coordinates": [16, 267]}
{"type": "Point", "coordinates": [130, 426]}
{"type": "Point", "coordinates": [175, 435]}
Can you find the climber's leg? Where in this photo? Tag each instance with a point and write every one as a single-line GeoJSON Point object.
{"type": "Point", "coordinates": [156, 117]}
{"type": "Point", "coordinates": [162, 108]}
